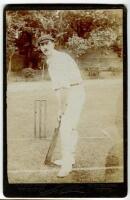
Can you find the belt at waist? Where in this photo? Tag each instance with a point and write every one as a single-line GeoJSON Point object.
{"type": "Point", "coordinates": [73, 84]}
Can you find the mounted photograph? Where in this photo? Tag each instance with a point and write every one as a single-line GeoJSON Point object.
{"type": "Point", "coordinates": [65, 84]}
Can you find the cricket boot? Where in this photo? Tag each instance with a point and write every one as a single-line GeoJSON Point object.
{"type": "Point", "coordinates": [66, 166]}
{"type": "Point", "coordinates": [65, 170]}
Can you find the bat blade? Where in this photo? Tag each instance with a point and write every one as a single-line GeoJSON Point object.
{"type": "Point", "coordinates": [52, 146]}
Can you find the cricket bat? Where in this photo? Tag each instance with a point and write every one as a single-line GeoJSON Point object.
{"type": "Point", "coordinates": [52, 145]}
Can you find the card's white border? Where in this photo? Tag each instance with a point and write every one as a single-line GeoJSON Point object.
{"type": "Point", "coordinates": [2, 4]}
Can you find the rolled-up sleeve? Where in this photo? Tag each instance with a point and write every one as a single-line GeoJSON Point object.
{"type": "Point", "coordinates": [59, 74]}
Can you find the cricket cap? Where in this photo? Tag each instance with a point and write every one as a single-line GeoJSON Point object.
{"type": "Point", "coordinates": [43, 39]}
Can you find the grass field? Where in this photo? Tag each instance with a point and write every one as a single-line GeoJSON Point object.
{"type": "Point", "coordinates": [99, 150]}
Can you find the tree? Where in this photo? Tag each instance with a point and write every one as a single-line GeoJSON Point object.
{"type": "Point", "coordinates": [96, 29]}
{"type": "Point", "coordinates": [76, 30]}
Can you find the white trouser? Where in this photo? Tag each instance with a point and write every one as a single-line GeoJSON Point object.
{"type": "Point", "coordinates": [69, 122]}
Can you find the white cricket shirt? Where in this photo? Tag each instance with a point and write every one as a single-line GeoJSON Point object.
{"type": "Point", "coordinates": [63, 70]}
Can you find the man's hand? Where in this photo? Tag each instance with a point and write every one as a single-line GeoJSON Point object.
{"type": "Point", "coordinates": [59, 116]}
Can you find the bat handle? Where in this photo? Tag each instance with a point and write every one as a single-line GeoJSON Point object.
{"type": "Point", "coordinates": [59, 121]}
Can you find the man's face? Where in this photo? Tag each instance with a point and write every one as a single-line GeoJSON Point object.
{"type": "Point", "coordinates": [47, 47]}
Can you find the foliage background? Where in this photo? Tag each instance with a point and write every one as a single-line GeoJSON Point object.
{"type": "Point", "coordinates": [76, 31]}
